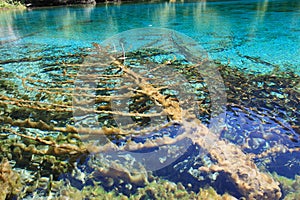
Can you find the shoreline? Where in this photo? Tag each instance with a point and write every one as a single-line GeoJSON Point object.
{"type": "Point", "coordinates": [8, 6]}
{"type": "Point", "coordinates": [19, 6]}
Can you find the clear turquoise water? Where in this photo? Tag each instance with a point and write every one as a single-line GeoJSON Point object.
{"type": "Point", "coordinates": [231, 31]}
{"type": "Point", "coordinates": [257, 37]}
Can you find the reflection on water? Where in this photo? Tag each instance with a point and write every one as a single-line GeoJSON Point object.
{"type": "Point", "coordinates": [231, 32]}
{"type": "Point", "coordinates": [7, 20]}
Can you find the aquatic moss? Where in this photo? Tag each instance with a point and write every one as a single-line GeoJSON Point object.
{"type": "Point", "coordinates": [163, 189]}
{"type": "Point", "coordinates": [10, 182]}
{"type": "Point", "coordinates": [89, 192]}
{"type": "Point", "coordinates": [156, 190]}
{"type": "Point", "coordinates": [48, 155]}
{"type": "Point", "coordinates": [291, 187]}
{"type": "Point", "coordinates": [51, 153]}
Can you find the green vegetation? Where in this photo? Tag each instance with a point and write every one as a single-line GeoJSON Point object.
{"type": "Point", "coordinates": [9, 4]}
{"type": "Point", "coordinates": [10, 182]}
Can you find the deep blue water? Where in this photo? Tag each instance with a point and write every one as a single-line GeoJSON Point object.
{"type": "Point", "coordinates": [256, 37]}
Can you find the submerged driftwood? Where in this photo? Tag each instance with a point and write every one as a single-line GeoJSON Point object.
{"type": "Point", "coordinates": [252, 183]}
{"type": "Point", "coordinates": [229, 158]}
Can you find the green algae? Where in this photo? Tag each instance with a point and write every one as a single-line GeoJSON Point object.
{"type": "Point", "coordinates": [163, 189]}
{"type": "Point", "coordinates": [10, 181]}
{"type": "Point", "coordinates": [89, 192]}
{"type": "Point", "coordinates": [291, 187]}
{"type": "Point", "coordinates": [39, 157]}
{"type": "Point", "coordinates": [30, 155]}
{"type": "Point", "coordinates": [156, 190]}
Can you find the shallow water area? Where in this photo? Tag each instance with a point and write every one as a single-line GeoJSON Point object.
{"type": "Point", "coordinates": [61, 81]}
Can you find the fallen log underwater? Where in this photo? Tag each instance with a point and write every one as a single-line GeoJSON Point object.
{"type": "Point", "coordinates": [251, 182]}
{"type": "Point", "coordinates": [99, 84]}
